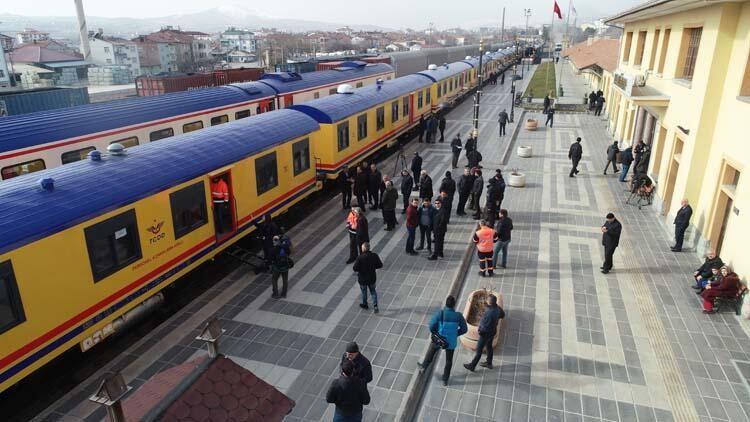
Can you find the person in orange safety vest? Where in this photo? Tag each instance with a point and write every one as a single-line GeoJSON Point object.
{"type": "Point", "coordinates": [485, 239]}
{"type": "Point", "coordinates": [220, 197]}
{"type": "Point", "coordinates": [351, 227]}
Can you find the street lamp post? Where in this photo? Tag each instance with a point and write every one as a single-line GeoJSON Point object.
{"type": "Point", "coordinates": [478, 95]}
{"type": "Point", "coordinates": [513, 93]}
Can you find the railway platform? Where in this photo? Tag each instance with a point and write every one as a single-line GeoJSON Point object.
{"type": "Point", "coordinates": [577, 345]}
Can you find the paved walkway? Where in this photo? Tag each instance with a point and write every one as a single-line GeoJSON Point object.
{"type": "Point", "coordinates": [296, 344]}
{"type": "Point", "coordinates": [579, 345]}
{"type": "Point", "coordinates": [574, 86]}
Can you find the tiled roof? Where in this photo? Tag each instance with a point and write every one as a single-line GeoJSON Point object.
{"type": "Point", "coordinates": [223, 391]}
{"type": "Point", "coordinates": [31, 53]}
{"type": "Point", "coordinates": [602, 52]}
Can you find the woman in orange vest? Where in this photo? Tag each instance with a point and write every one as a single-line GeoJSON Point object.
{"type": "Point", "coordinates": [485, 239]}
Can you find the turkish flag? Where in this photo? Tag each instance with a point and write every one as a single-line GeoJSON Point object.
{"type": "Point", "coordinates": [557, 11]}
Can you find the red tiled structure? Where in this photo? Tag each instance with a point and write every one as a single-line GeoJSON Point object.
{"type": "Point", "coordinates": [207, 390]}
{"type": "Point", "coordinates": [35, 53]}
{"type": "Point", "coordinates": [600, 52]}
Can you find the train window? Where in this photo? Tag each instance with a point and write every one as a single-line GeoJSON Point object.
{"type": "Point", "coordinates": [362, 127]}
{"type": "Point", "coordinates": [343, 135]}
{"type": "Point", "coordinates": [406, 106]}
{"type": "Point", "coordinates": [440, 91]}
{"type": "Point", "coordinates": [427, 95]}
{"type": "Point", "coordinates": [419, 100]}
{"type": "Point", "coordinates": [160, 134]}
{"type": "Point", "coordinates": [388, 78]}
{"type": "Point", "coordinates": [316, 95]}
{"type": "Point", "coordinates": [23, 168]}
{"type": "Point", "coordinates": [113, 244]}
{"type": "Point", "coordinates": [394, 111]}
{"type": "Point", "coordinates": [359, 84]}
{"type": "Point", "coordinates": [219, 120]}
{"type": "Point", "coordinates": [380, 118]}
{"type": "Point", "coordinates": [77, 155]}
{"type": "Point", "coordinates": [445, 86]}
{"type": "Point", "coordinates": [265, 173]}
{"type": "Point", "coordinates": [332, 91]}
{"type": "Point", "coordinates": [127, 142]}
{"type": "Point", "coordinates": [188, 209]}
{"type": "Point", "coordinates": [11, 309]}
{"type": "Point", "coordinates": [271, 106]}
{"type": "Point", "coordinates": [241, 114]}
{"type": "Point", "coordinates": [301, 155]}
{"type": "Point", "coordinates": [189, 127]}
{"type": "Point", "coordinates": [258, 110]}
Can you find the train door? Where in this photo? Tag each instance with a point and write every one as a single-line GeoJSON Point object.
{"type": "Point", "coordinates": [225, 217]}
{"type": "Point", "coordinates": [411, 108]}
{"type": "Point", "coordinates": [288, 101]}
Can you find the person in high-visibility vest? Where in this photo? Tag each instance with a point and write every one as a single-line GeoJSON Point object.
{"type": "Point", "coordinates": [220, 197]}
{"type": "Point", "coordinates": [351, 228]}
{"type": "Point", "coordinates": [485, 239]}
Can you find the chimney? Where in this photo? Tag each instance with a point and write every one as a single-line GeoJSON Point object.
{"type": "Point", "coordinates": [590, 41]}
{"type": "Point", "coordinates": [83, 32]}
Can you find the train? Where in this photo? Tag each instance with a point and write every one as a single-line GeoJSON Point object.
{"type": "Point", "coordinates": [35, 141]}
{"type": "Point", "coordinates": [86, 247]}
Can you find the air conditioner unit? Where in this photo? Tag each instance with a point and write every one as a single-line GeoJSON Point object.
{"type": "Point", "coordinates": [639, 80]}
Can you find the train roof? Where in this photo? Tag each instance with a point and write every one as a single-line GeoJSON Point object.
{"type": "Point", "coordinates": [445, 71]}
{"type": "Point", "coordinates": [28, 130]}
{"type": "Point", "coordinates": [285, 82]}
{"type": "Point", "coordinates": [337, 107]}
{"type": "Point", "coordinates": [86, 189]}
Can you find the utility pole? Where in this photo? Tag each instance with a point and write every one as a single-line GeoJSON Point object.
{"type": "Point", "coordinates": [502, 27]}
{"type": "Point", "coordinates": [513, 93]}
{"type": "Point", "coordinates": [478, 95]}
{"type": "Point", "coordinates": [527, 13]}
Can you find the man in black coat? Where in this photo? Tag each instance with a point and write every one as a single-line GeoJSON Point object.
{"type": "Point", "coordinates": [349, 394]}
{"type": "Point", "coordinates": [448, 184]}
{"type": "Point", "coordinates": [267, 229]}
{"type": "Point", "coordinates": [502, 78]}
{"type": "Point", "coordinates": [550, 116]}
{"type": "Point", "coordinates": [439, 228]}
{"type": "Point", "coordinates": [456, 147]}
{"type": "Point", "coordinates": [612, 151]}
{"type": "Point", "coordinates": [441, 126]}
{"type": "Point", "coordinates": [365, 266]}
{"type": "Point", "coordinates": [638, 154]}
{"type": "Point", "coordinates": [345, 186]}
{"type": "Point", "coordinates": [599, 105]}
{"type": "Point", "coordinates": [362, 365]}
{"type": "Point", "coordinates": [611, 231]}
{"type": "Point", "coordinates": [476, 190]}
{"type": "Point", "coordinates": [425, 186]}
{"type": "Point", "coordinates": [681, 223]}
{"type": "Point", "coordinates": [360, 188]}
{"type": "Point", "coordinates": [465, 183]}
{"type": "Point", "coordinates": [474, 157]}
{"type": "Point", "coordinates": [502, 120]}
{"type": "Point", "coordinates": [574, 154]}
{"type": "Point", "coordinates": [363, 230]}
{"type": "Point", "coordinates": [487, 330]}
{"type": "Point", "coordinates": [642, 167]}
{"type": "Point", "coordinates": [447, 205]}
{"type": "Point", "coordinates": [592, 101]}
{"type": "Point", "coordinates": [626, 159]}
{"type": "Point", "coordinates": [421, 128]}
{"type": "Point", "coordinates": [416, 168]}
{"type": "Point", "coordinates": [471, 144]}
{"type": "Point", "coordinates": [547, 103]}
{"type": "Point", "coordinates": [495, 196]}
{"type": "Point", "coordinates": [407, 182]}
{"type": "Point", "coordinates": [374, 179]}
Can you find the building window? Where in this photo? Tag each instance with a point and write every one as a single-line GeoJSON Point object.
{"type": "Point", "coordinates": [419, 100]}
{"type": "Point", "coordinates": [745, 88]}
{"type": "Point", "coordinates": [11, 308]}
{"type": "Point", "coordinates": [362, 127]}
{"type": "Point", "coordinates": [301, 155]}
{"type": "Point", "coordinates": [342, 131]}
{"type": "Point", "coordinates": [406, 106]}
{"type": "Point", "coordinates": [394, 112]}
{"type": "Point", "coordinates": [654, 45]}
{"type": "Point", "coordinates": [189, 127]}
{"type": "Point", "coordinates": [127, 142]}
{"type": "Point", "coordinates": [77, 155]}
{"type": "Point", "coordinates": [219, 120]}
{"type": "Point", "coordinates": [640, 47]}
{"type": "Point", "coordinates": [113, 244]}
{"type": "Point", "coordinates": [691, 39]}
{"type": "Point", "coordinates": [188, 209]}
{"type": "Point", "coordinates": [265, 173]}
{"type": "Point", "coordinates": [241, 114]}
{"type": "Point", "coordinates": [663, 52]}
{"type": "Point", "coordinates": [22, 168]}
{"type": "Point", "coordinates": [626, 52]}
{"type": "Point", "coordinates": [380, 118]}
{"type": "Point", "coordinates": [160, 134]}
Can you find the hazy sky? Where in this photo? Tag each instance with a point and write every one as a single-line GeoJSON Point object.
{"type": "Point", "coordinates": [386, 13]}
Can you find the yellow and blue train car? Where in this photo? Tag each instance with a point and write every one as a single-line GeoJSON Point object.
{"type": "Point", "coordinates": [358, 122]}
{"type": "Point", "coordinates": [94, 240]}
{"type": "Point", "coordinates": [448, 83]}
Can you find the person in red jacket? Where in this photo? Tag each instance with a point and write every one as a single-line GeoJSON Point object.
{"type": "Point", "coordinates": [411, 225]}
{"type": "Point", "coordinates": [729, 286]}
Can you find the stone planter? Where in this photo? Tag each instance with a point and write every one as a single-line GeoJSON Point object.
{"type": "Point", "coordinates": [517, 180]}
{"type": "Point", "coordinates": [531, 124]}
{"type": "Point", "coordinates": [524, 151]}
{"type": "Point", "coordinates": [473, 314]}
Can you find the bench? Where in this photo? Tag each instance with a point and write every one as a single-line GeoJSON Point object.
{"type": "Point", "coordinates": [732, 302]}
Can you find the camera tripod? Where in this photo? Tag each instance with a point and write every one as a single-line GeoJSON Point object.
{"type": "Point", "coordinates": [400, 157]}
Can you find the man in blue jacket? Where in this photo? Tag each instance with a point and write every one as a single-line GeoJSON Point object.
{"type": "Point", "coordinates": [487, 330]}
{"type": "Point", "coordinates": [448, 324]}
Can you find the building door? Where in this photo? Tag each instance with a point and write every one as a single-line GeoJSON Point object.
{"type": "Point", "coordinates": [225, 217]}
{"type": "Point", "coordinates": [726, 203]}
{"type": "Point", "coordinates": [674, 168]}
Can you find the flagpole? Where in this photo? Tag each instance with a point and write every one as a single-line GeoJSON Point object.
{"type": "Point", "coordinates": [551, 29]}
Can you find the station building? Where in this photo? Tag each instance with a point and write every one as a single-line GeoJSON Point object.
{"type": "Point", "coordinates": [683, 87]}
